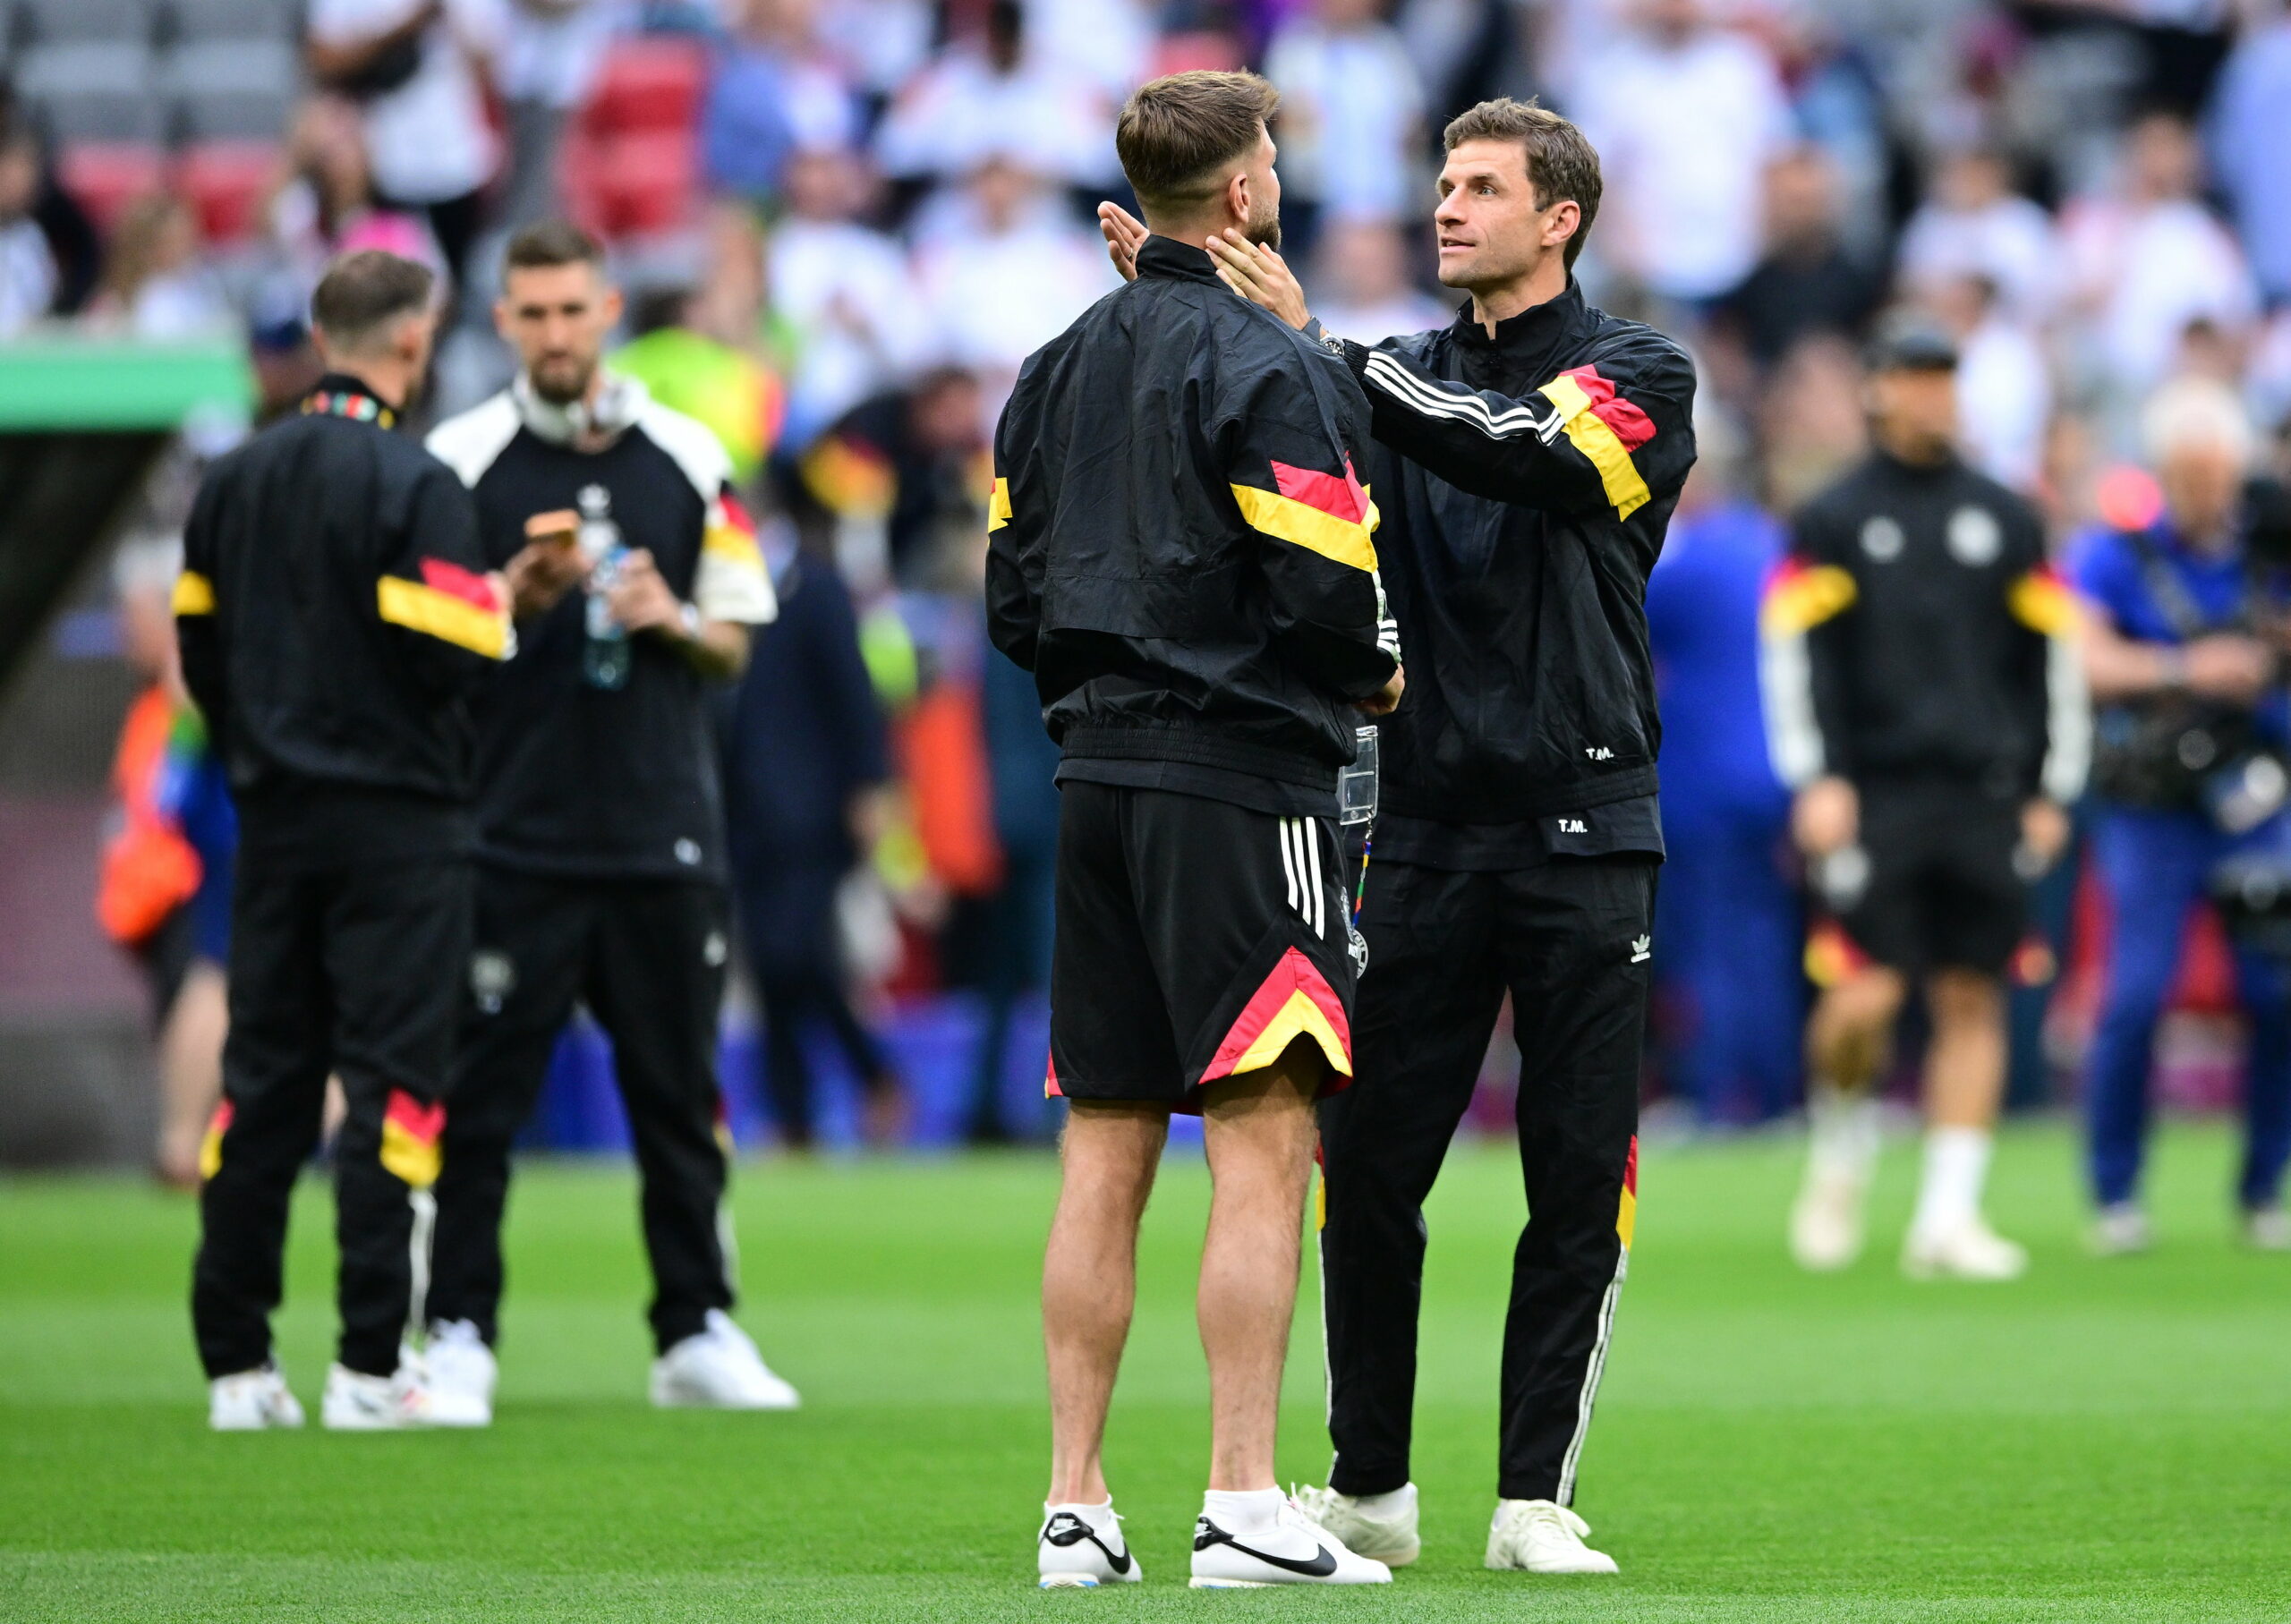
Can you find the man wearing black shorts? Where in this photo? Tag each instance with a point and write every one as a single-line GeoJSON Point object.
{"type": "Point", "coordinates": [1181, 556]}
{"type": "Point", "coordinates": [1924, 702]}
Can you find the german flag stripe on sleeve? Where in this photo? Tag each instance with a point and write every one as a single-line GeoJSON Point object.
{"type": "Point", "coordinates": [1606, 428]}
{"type": "Point", "coordinates": [997, 506]}
{"type": "Point", "coordinates": [449, 603]}
{"type": "Point", "coordinates": [2042, 601]}
{"type": "Point", "coordinates": [1626, 1217]}
{"type": "Point", "coordinates": [730, 535]}
{"type": "Point", "coordinates": [194, 594]}
{"type": "Point", "coordinates": [1800, 597]}
{"type": "Point", "coordinates": [1328, 514]}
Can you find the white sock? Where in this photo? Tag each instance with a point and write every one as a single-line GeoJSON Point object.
{"type": "Point", "coordinates": [1380, 1505]}
{"type": "Point", "coordinates": [1842, 1141]}
{"type": "Point", "coordinates": [1097, 1516]}
{"type": "Point", "coordinates": [1236, 1510]}
{"type": "Point", "coordinates": [1956, 1167]}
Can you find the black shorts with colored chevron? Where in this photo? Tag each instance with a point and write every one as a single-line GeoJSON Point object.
{"type": "Point", "coordinates": [1196, 940]}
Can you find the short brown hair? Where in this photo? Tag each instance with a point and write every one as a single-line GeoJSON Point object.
{"type": "Point", "coordinates": [363, 293]}
{"type": "Point", "coordinates": [546, 243]}
{"type": "Point", "coordinates": [1562, 163]}
{"type": "Point", "coordinates": [1178, 131]}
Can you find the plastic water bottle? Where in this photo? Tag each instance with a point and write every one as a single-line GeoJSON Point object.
{"type": "Point", "coordinates": [604, 656]}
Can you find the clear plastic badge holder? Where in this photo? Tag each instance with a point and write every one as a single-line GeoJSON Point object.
{"type": "Point", "coordinates": [1356, 785]}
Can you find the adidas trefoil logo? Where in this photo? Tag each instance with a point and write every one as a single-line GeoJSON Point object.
{"type": "Point", "coordinates": [1642, 949]}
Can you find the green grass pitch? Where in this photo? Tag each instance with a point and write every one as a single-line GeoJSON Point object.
{"type": "Point", "coordinates": [2103, 1442]}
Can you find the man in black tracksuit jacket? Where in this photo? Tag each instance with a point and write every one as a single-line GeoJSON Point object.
{"type": "Point", "coordinates": [1528, 458]}
{"type": "Point", "coordinates": [335, 617]}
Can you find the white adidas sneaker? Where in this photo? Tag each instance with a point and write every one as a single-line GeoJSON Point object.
{"type": "Point", "coordinates": [462, 1374]}
{"type": "Point", "coordinates": [719, 1369]}
{"type": "Point", "coordinates": [251, 1402]}
{"type": "Point", "coordinates": [1542, 1536]}
{"type": "Point", "coordinates": [1289, 1549]}
{"type": "Point", "coordinates": [359, 1403]}
{"type": "Point", "coordinates": [1080, 1548]}
{"type": "Point", "coordinates": [1825, 1222]}
{"type": "Point", "coordinates": [2120, 1229]}
{"type": "Point", "coordinates": [1382, 1526]}
{"type": "Point", "coordinates": [1971, 1250]}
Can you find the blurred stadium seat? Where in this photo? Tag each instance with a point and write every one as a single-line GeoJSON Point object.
{"type": "Point", "coordinates": [233, 20]}
{"type": "Point", "coordinates": [225, 182]}
{"type": "Point", "coordinates": [92, 89]}
{"type": "Point", "coordinates": [104, 21]}
{"type": "Point", "coordinates": [648, 85]}
{"type": "Point", "coordinates": [106, 176]}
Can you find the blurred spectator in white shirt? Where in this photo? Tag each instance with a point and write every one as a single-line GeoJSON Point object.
{"type": "Point", "coordinates": [415, 68]}
{"type": "Point", "coordinates": [1107, 42]}
{"type": "Point", "coordinates": [1686, 117]}
{"type": "Point", "coordinates": [843, 290]}
{"type": "Point", "coordinates": [1361, 288]}
{"type": "Point", "coordinates": [28, 277]}
{"type": "Point", "coordinates": [995, 94]}
{"type": "Point", "coordinates": [886, 42]}
{"type": "Point", "coordinates": [1351, 114]}
{"type": "Point", "coordinates": [2250, 148]}
{"type": "Point", "coordinates": [994, 296]}
{"type": "Point", "coordinates": [155, 284]}
{"type": "Point", "coordinates": [1973, 223]}
{"type": "Point", "coordinates": [2004, 387]}
{"type": "Point", "coordinates": [2146, 262]}
{"type": "Point", "coordinates": [551, 53]}
{"type": "Point", "coordinates": [777, 89]}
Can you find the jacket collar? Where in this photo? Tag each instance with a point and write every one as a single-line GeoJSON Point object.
{"type": "Point", "coordinates": [1168, 257]}
{"type": "Point", "coordinates": [618, 404]}
{"type": "Point", "coordinates": [1530, 334]}
{"type": "Point", "coordinates": [340, 394]}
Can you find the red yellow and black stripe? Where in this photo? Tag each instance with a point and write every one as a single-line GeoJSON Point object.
{"type": "Point", "coordinates": [449, 603]}
{"type": "Point", "coordinates": [1800, 596]}
{"type": "Point", "coordinates": [410, 1133]}
{"type": "Point", "coordinates": [1329, 514]}
{"type": "Point", "coordinates": [1606, 428]}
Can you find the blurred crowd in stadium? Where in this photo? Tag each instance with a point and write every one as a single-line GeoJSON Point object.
{"type": "Point", "coordinates": [844, 222]}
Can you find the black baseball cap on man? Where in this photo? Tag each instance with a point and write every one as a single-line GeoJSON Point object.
{"type": "Point", "coordinates": [1910, 341]}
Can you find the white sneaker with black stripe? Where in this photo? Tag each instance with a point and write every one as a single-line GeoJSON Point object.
{"type": "Point", "coordinates": [1288, 1548]}
{"type": "Point", "coordinates": [1080, 1548]}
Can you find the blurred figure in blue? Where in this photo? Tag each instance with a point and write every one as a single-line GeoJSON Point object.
{"type": "Point", "coordinates": [2188, 773]}
{"type": "Point", "coordinates": [1726, 918]}
{"type": "Point", "coordinates": [806, 766]}
{"type": "Point", "coordinates": [1023, 764]}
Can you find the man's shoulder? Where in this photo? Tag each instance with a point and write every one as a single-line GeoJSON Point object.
{"type": "Point", "coordinates": [1645, 353]}
{"type": "Point", "coordinates": [471, 442]}
{"type": "Point", "coordinates": [688, 443]}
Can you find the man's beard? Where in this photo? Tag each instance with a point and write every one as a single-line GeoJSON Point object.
{"type": "Point", "coordinates": [1266, 230]}
{"type": "Point", "coordinates": [550, 387]}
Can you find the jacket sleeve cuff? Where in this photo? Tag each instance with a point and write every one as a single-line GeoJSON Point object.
{"type": "Point", "coordinates": [1355, 356]}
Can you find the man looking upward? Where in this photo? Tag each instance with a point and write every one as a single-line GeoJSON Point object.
{"type": "Point", "coordinates": [1181, 555]}
{"type": "Point", "coordinates": [1527, 459]}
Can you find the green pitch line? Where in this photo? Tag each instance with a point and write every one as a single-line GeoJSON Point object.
{"type": "Point", "coordinates": [2106, 1440]}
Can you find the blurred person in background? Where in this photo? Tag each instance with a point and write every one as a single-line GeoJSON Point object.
{"type": "Point", "coordinates": [1351, 118]}
{"type": "Point", "coordinates": [157, 284]}
{"type": "Point", "coordinates": [1686, 116]}
{"type": "Point", "coordinates": [1811, 424]}
{"type": "Point", "coordinates": [1805, 281]}
{"type": "Point", "coordinates": [687, 367]}
{"type": "Point", "coordinates": [1362, 282]}
{"type": "Point", "coordinates": [335, 617]}
{"type": "Point", "coordinates": [1925, 707]}
{"type": "Point", "coordinates": [1972, 223]}
{"type": "Point", "coordinates": [29, 277]}
{"type": "Point", "coordinates": [601, 838]}
{"type": "Point", "coordinates": [552, 52]}
{"type": "Point", "coordinates": [2250, 141]}
{"type": "Point", "coordinates": [775, 91]}
{"type": "Point", "coordinates": [416, 70]}
{"type": "Point", "coordinates": [1728, 991]}
{"type": "Point", "coordinates": [2003, 381]}
{"type": "Point", "coordinates": [993, 93]}
{"type": "Point", "coordinates": [1022, 767]}
{"type": "Point", "coordinates": [842, 288]}
{"type": "Point", "coordinates": [2148, 258]}
{"type": "Point", "coordinates": [806, 781]}
{"type": "Point", "coordinates": [324, 206]}
{"type": "Point", "coordinates": [163, 893]}
{"type": "Point", "coordinates": [2181, 641]}
{"type": "Point", "coordinates": [909, 459]}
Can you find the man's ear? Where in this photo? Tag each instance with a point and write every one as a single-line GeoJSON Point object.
{"type": "Point", "coordinates": [1237, 198]}
{"type": "Point", "coordinates": [1566, 221]}
{"type": "Point", "coordinates": [611, 306]}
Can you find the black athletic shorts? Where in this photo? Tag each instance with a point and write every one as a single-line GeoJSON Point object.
{"type": "Point", "coordinates": [1933, 884]}
{"type": "Point", "coordinates": [1196, 940]}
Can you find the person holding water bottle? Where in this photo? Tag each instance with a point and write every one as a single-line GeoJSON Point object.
{"type": "Point", "coordinates": [600, 818]}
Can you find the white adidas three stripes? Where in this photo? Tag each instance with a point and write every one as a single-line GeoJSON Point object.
{"type": "Point", "coordinates": [1301, 861]}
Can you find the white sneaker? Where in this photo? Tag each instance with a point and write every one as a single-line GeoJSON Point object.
{"type": "Point", "coordinates": [1542, 1536]}
{"type": "Point", "coordinates": [1081, 1548]}
{"type": "Point", "coordinates": [719, 1369]}
{"type": "Point", "coordinates": [2121, 1229]}
{"type": "Point", "coordinates": [2267, 1230]}
{"type": "Point", "coordinates": [358, 1403]}
{"type": "Point", "coordinates": [1386, 1533]}
{"type": "Point", "coordinates": [1972, 1251]}
{"type": "Point", "coordinates": [1291, 1548]}
{"type": "Point", "coordinates": [251, 1402]}
{"type": "Point", "coordinates": [462, 1374]}
{"type": "Point", "coordinates": [1826, 1223]}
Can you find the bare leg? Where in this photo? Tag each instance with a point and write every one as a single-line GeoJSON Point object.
{"type": "Point", "coordinates": [1850, 1032]}
{"type": "Point", "coordinates": [1964, 1068]}
{"type": "Point", "coordinates": [1089, 1281]}
{"type": "Point", "coordinates": [1848, 1042]}
{"type": "Point", "coordinates": [191, 1070]}
{"type": "Point", "coordinates": [1259, 1128]}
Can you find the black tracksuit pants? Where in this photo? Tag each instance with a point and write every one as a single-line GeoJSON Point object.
{"type": "Point", "coordinates": [647, 956]}
{"type": "Point", "coordinates": [354, 970]}
{"type": "Point", "coordinates": [1568, 940]}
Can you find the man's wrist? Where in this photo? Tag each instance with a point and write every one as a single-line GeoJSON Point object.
{"type": "Point", "coordinates": [688, 621]}
{"type": "Point", "coordinates": [2171, 668]}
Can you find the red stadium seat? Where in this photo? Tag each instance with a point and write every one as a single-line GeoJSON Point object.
{"type": "Point", "coordinates": [225, 182]}
{"type": "Point", "coordinates": [1202, 48]}
{"type": "Point", "coordinates": [633, 185]}
{"type": "Point", "coordinates": [648, 85]}
{"type": "Point", "coordinates": [105, 177]}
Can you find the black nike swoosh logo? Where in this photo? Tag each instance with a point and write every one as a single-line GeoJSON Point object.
{"type": "Point", "coordinates": [1319, 1566]}
{"type": "Point", "coordinates": [1066, 1529]}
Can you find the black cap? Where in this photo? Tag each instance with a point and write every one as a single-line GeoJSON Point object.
{"type": "Point", "coordinates": [1908, 341]}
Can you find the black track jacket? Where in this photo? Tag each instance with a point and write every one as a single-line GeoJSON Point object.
{"type": "Point", "coordinates": [1180, 548]}
{"type": "Point", "coordinates": [1526, 481]}
{"type": "Point", "coordinates": [334, 619]}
